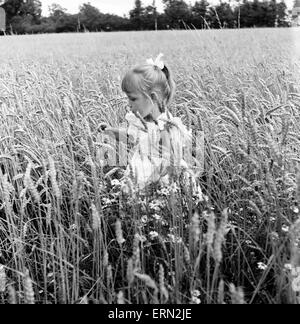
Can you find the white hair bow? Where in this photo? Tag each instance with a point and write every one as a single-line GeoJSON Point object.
{"type": "Point", "coordinates": [158, 61]}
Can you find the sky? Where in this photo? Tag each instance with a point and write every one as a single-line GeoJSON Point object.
{"type": "Point", "coordinates": [119, 7]}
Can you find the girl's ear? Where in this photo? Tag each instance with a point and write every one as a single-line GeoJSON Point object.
{"type": "Point", "coordinates": [154, 97]}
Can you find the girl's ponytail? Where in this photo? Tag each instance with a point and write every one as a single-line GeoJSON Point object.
{"type": "Point", "coordinates": [171, 84]}
{"type": "Point", "coordinates": [155, 77]}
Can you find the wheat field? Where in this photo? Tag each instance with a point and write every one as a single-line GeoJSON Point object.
{"type": "Point", "coordinates": [68, 235]}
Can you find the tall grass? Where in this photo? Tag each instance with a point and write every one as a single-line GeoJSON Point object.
{"type": "Point", "coordinates": [68, 235]}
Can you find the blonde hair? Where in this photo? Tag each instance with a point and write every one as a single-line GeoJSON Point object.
{"type": "Point", "coordinates": [149, 79]}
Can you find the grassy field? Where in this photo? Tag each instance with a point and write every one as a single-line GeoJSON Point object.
{"type": "Point", "coordinates": [67, 235]}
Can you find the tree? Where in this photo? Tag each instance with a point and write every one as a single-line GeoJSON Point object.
{"type": "Point", "coordinates": [67, 23]}
{"type": "Point", "coordinates": [149, 18]}
{"type": "Point", "coordinates": [113, 22]}
{"type": "Point", "coordinates": [252, 14]}
{"type": "Point", "coordinates": [177, 12]}
{"type": "Point", "coordinates": [22, 14]}
{"type": "Point", "coordinates": [12, 9]}
{"type": "Point", "coordinates": [255, 15]}
{"type": "Point", "coordinates": [271, 14]}
{"type": "Point", "coordinates": [281, 14]}
{"type": "Point", "coordinates": [136, 15]}
{"type": "Point", "coordinates": [56, 11]}
{"type": "Point", "coordinates": [199, 13]}
{"type": "Point", "coordinates": [222, 16]}
{"type": "Point", "coordinates": [155, 15]}
{"type": "Point", "coordinates": [243, 13]}
{"type": "Point", "coordinates": [33, 8]}
{"type": "Point", "coordinates": [90, 17]}
{"type": "Point", "coordinates": [21, 25]}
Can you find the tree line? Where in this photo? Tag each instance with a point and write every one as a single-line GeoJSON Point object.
{"type": "Point", "coordinates": [25, 16]}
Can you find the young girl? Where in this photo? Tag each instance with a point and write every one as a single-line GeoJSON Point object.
{"type": "Point", "coordinates": [159, 138]}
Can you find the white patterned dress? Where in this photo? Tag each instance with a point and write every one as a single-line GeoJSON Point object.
{"type": "Point", "coordinates": [160, 147]}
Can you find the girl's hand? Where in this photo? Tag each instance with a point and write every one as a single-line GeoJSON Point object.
{"type": "Point", "coordinates": [103, 127]}
{"type": "Point", "coordinates": [106, 129]}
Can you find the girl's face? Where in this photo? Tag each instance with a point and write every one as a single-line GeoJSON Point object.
{"type": "Point", "coordinates": [140, 104]}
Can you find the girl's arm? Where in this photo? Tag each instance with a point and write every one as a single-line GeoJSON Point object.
{"type": "Point", "coordinates": [121, 134]}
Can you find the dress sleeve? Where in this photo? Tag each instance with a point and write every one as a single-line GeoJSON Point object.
{"type": "Point", "coordinates": [182, 143]}
{"type": "Point", "coordinates": [134, 132]}
{"type": "Point", "coordinates": [135, 126]}
{"type": "Point", "coordinates": [185, 133]}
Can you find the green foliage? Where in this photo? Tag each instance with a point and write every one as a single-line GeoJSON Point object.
{"type": "Point", "coordinates": [56, 11]}
{"type": "Point", "coordinates": [25, 16]}
{"type": "Point", "coordinates": [262, 14]}
{"type": "Point", "coordinates": [136, 15]}
{"type": "Point", "coordinates": [177, 12]}
{"type": "Point", "coordinates": [199, 14]}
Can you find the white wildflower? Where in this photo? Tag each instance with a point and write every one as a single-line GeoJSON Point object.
{"type": "Point", "coordinates": [155, 205]}
{"type": "Point", "coordinates": [173, 188]}
{"type": "Point", "coordinates": [144, 219]}
{"type": "Point", "coordinates": [295, 271]}
{"type": "Point", "coordinates": [274, 236]}
{"type": "Point", "coordinates": [196, 297]}
{"type": "Point", "coordinates": [156, 217]}
{"type": "Point", "coordinates": [296, 284]}
{"type": "Point", "coordinates": [153, 235]}
{"type": "Point", "coordinates": [196, 300]}
{"type": "Point", "coordinates": [115, 183]}
{"type": "Point", "coordinates": [175, 239]}
{"type": "Point", "coordinates": [164, 192]}
{"type": "Point", "coordinates": [198, 195]}
{"type": "Point", "coordinates": [195, 293]}
{"type": "Point", "coordinates": [107, 201]}
{"type": "Point", "coordinates": [262, 266]}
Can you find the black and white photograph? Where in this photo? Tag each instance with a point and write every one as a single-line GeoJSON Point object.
{"type": "Point", "coordinates": [150, 154]}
